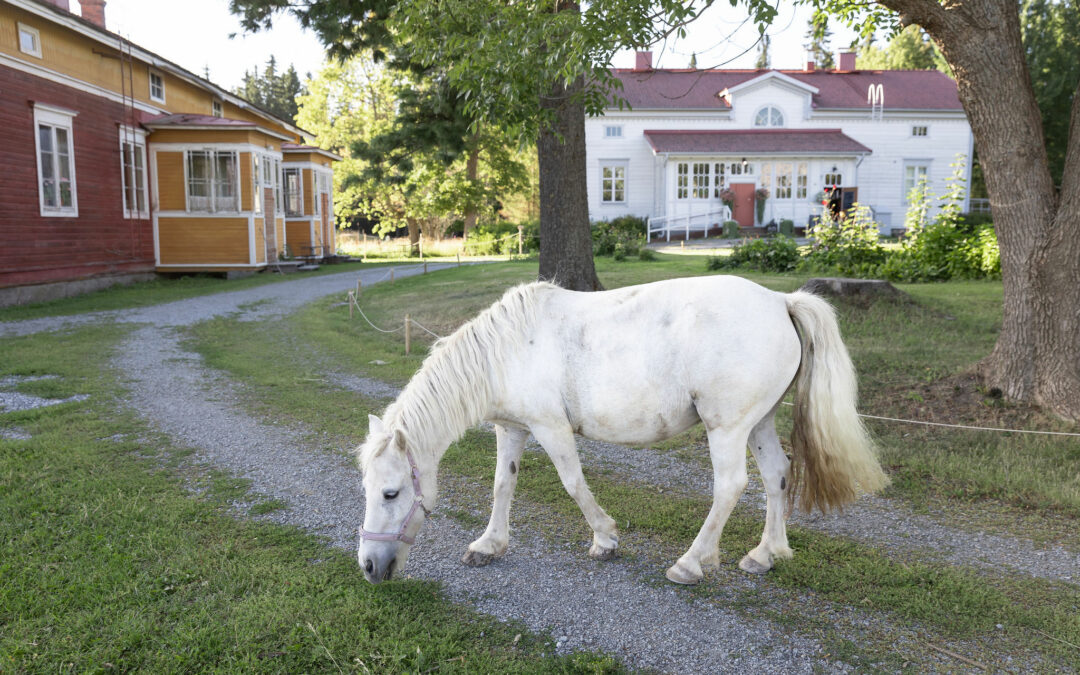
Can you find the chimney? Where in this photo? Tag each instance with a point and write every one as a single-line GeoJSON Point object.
{"type": "Point", "coordinates": [809, 65]}
{"type": "Point", "coordinates": [847, 61]}
{"type": "Point", "coordinates": [62, 4]}
{"type": "Point", "coordinates": [644, 61]}
{"type": "Point", "coordinates": [94, 12]}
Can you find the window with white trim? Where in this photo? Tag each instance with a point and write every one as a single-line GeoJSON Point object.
{"type": "Point", "coordinates": [682, 180]}
{"type": "Point", "coordinates": [834, 179]}
{"type": "Point", "coordinates": [133, 173]}
{"type": "Point", "coordinates": [256, 182]}
{"type": "Point", "coordinates": [213, 179]}
{"type": "Point", "coordinates": [700, 185]}
{"type": "Point", "coordinates": [783, 180]}
{"type": "Point", "coordinates": [294, 193]}
{"type": "Point", "coordinates": [915, 172]}
{"type": "Point", "coordinates": [613, 131]}
{"type": "Point", "coordinates": [55, 161]}
{"type": "Point", "coordinates": [719, 179]}
{"type": "Point", "coordinates": [279, 199]}
{"type": "Point", "coordinates": [613, 182]}
{"type": "Point", "coordinates": [216, 109]}
{"type": "Point", "coordinates": [29, 40]}
{"type": "Point", "coordinates": [157, 87]}
{"type": "Point", "coordinates": [920, 130]}
{"type": "Point", "coordinates": [769, 116]}
{"type": "Point", "coordinates": [801, 180]}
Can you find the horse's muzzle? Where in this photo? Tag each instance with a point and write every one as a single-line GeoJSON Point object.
{"type": "Point", "coordinates": [376, 570]}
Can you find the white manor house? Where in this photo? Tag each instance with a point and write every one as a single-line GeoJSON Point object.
{"type": "Point", "coordinates": [687, 135]}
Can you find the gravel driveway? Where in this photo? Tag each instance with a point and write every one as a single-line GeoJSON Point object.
{"type": "Point", "coordinates": [610, 606]}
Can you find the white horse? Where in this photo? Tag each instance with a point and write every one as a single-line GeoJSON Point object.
{"type": "Point", "coordinates": [634, 365]}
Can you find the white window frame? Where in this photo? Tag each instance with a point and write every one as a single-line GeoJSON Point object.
{"type": "Point", "coordinates": [161, 78]}
{"type": "Point", "coordinates": [837, 178]}
{"type": "Point", "coordinates": [34, 34]}
{"type": "Point", "coordinates": [916, 164]}
{"type": "Point", "coordinates": [802, 180]}
{"type": "Point", "coordinates": [55, 118]}
{"type": "Point", "coordinates": [614, 165]}
{"type": "Point", "coordinates": [212, 205]}
{"type": "Point", "coordinates": [136, 138]}
{"type": "Point", "coordinates": [920, 131]}
{"type": "Point", "coordinates": [613, 131]}
{"type": "Point", "coordinates": [299, 193]}
{"type": "Point", "coordinates": [772, 111]}
{"type": "Point", "coordinates": [217, 108]}
{"type": "Point", "coordinates": [784, 180]}
{"type": "Point", "coordinates": [279, 196]}
{"type": "Point", "coordinates": [256, 181]}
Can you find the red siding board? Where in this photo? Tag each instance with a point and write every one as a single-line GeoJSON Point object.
{"type": "Point", "coordinates": [34, 249]}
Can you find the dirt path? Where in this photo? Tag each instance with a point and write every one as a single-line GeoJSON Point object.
{"type": "Point", "coordinates": [619, 607]}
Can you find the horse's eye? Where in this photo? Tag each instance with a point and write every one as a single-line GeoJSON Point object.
{"type": "Point", "coordinates": [389, 494]}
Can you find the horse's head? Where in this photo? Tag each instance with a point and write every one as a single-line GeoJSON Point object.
{"type": "Point", "coordinates": [396, 502]}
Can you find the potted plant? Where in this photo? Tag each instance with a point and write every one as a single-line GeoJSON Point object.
{"type": "Point", "coordinates": [761, 195]}
{"type": "Point", "coordinates": [727, 196]}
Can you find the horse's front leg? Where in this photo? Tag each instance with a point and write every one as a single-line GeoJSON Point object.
{"type": "Point", "coordinates": [561, 447]}
{"type": "Point", "coordinates": [493, 543]}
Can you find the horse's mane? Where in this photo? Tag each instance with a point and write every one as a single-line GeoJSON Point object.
{"type": "Point", "coordinates": [453, 388]}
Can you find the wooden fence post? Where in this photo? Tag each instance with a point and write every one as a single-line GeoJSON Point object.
{"type": "Point", "coordinates": [391, 276]}
{"type": "Point", "coordinates": [425, 267]}
{"type": "Point", "coordinates": [408, 335]}
{"type": "Point", "coordinates": [359, 287]}
{"type": "Point", "coordinates": [351, 297]}
{"type": "Point", "coordinates": [459, 259]}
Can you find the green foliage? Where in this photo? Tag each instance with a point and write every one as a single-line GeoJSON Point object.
{"type": "Point", "coordinates": [951, 247]}
{"type": "Point", "coordinates": [787, 227]}
{"type": "Point", "coordinates": [767, 254]}
{"type": "Point", "coordinates": [731, 229]}
{"type": "Point", "coordinates": [501, 238]}
{"type": "Point", "coordinates": [819, 36]}
{"type": "Point", "coordinates": [1051, 35]}
{"type": "Point", "coordinates": [619, 237]}
{"type": "Point", "coordinates": [274, 92]}
{"type": "Point", "coordinates": [850, 247]}
{"type": "Point", "coordinates": [910, 49]}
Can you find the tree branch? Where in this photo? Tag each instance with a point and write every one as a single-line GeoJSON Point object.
{"type": "Point", "coordinates": [926, 13]}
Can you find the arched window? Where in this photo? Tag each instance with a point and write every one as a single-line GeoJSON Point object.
{"type": "Point", "coordinates": [769, 116]}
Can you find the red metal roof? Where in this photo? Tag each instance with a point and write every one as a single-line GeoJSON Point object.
{"type": "Point", "coordinates": [756, 142]}
{"type": "Point", "coordinates": [904, 89]}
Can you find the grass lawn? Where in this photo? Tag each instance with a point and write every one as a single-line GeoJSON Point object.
{"type": "Point", "coordinates": [897, 348]}
{"type": "Point", "coordinates": [112, 557]}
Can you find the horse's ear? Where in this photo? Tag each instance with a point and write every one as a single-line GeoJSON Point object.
{"type": "Point", "coordinates": [399, 439]}
{"type": "Point", "coordinates": [374, 425]}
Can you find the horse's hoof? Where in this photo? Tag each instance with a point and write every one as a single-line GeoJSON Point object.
{"type": "Point", "coordinates": [748, 564]}
{"type": "Point", "coordinates": [681, 575]}
{"type": "Point", "coordinates": [600, 553]}
{"type": "Point", "coordinates": [476, 558]}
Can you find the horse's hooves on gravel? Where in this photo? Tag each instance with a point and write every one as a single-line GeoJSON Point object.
{"type": "Point", "coordinates": [681, 575]}
{"type": "Point", "coordinates": [748, 564]}
{"type": "Point", "coordinates": [598, 553]}
{"type": "Point", "coordinates": [476, 558]}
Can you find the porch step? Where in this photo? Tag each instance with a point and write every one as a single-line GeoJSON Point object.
{"type": "Point", "coordinates": [310, 267]}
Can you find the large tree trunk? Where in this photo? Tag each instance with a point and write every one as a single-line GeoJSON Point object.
{"type": "Point", "coordinates": [565, 237]}
{"type": "Point", "coordinates": [414, 236]}
{"type": "Point", "coordinates": [1037, 355]}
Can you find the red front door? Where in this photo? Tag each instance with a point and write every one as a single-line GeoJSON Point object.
{"type": "Point", "coordinates": [743, 213]}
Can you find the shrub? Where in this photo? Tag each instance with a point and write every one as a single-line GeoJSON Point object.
{"type": "Point", "coordinates": [787, 227]}
{"type": "Point", "coordinates": [731, 229]}
{"type": "Point", "coordinates": [772, 254]}
{"type": "Point", "coordinates": [850, 247]}
{"type": "Point", "coordinates": [646, 254]}
{"type": "Point", "coordinates": [627, 231]}
{"type": "Point", "coordinates": [500, 238]}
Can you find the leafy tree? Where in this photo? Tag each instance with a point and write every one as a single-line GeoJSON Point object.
{"type": "Point", "coordinates": [763, 61]}
{"type": "Point", "coordinates": [272, 91]}
{"type": "Point", "coordinates": [354, 108]}
{"type": "Point", "coordinates": [1037, 355]}
{"type": "Point", "coordinates": [533, 69]}
{"type": "Point", "coordinates": [910, 49]}
{"type": "Point", "coordinates": [1051, 36]}
{"type": "Point", "coordinates": [819, 36]}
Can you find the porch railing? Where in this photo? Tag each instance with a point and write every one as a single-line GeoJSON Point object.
{"type": "Point", "coordinates": [696, 222]}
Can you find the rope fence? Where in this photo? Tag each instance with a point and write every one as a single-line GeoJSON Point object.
{"type": "Point", "coordinates": [410, 322]}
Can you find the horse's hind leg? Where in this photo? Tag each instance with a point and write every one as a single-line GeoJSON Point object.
{"type": "Point", "coordinates": [561, 447]}
{"type": "Point", "coordinates": [728, 451]}
{"type": "Point", "coordinates": [493, 543]}
{"type": "Point", "coordinates": [774, 467]}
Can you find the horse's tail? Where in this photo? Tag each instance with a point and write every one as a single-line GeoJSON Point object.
{"type": "Point", "coordinates": [830, 445]}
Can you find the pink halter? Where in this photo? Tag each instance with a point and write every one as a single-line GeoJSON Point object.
{"type": "Point", "coordinates": [418, 503]}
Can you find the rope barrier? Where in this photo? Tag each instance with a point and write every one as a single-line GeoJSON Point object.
{"type": "Point", "coordinates": [965, 426]}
